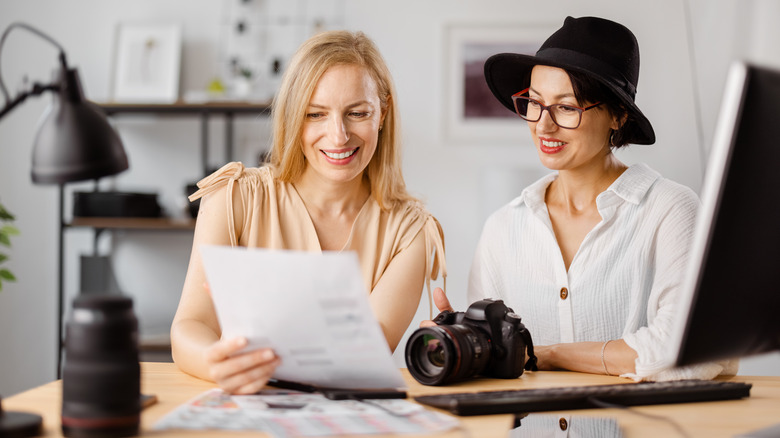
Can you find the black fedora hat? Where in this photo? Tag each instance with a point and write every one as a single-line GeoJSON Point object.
{"type": "Point", "coordinates": [600, 48]}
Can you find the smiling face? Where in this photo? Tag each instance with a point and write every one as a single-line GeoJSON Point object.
{"type": "Point", "coordinates": [568, 149]}
{"type": "Point", "coordinates": [342, 124]}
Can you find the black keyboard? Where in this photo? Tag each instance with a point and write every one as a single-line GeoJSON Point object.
{"type": "Point", "coordinates": [585, 397]}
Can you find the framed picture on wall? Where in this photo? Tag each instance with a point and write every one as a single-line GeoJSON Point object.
{"type": "Point", "coordinates": [147, 63]}
{"type": "Point", "coordinates": [471, 113]}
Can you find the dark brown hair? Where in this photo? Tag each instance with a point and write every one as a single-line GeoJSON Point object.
{"type": "Point", "coordinates": [588, 90]}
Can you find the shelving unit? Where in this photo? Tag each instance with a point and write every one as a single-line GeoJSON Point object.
{"type": "Point", "coordinates": [229, 110]}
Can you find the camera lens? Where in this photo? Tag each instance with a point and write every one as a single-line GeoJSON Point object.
{"type": "Point", "coordinates": [446, 353]}
{"type": "Point", "coordinates": [430, 355]}
{"type": "Point", "coordinates": [101, 383]}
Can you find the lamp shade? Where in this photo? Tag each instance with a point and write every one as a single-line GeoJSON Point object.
{"type": "Point", "coordinates": [75, 142]}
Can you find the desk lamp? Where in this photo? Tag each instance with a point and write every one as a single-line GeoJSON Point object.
{"type": "Point", "coordinates": [74, 142]}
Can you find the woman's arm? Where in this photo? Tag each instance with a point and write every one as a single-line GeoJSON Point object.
{"type": "Point", "coordinates": [395, 298]}
{"type": "Point", "coordinates": [672, 255]}
{"type": "Point", "coordinates": [195, 325]}
{"type": "Point", "coordinates": [195, 333]}
{"type": "Point", "coordinates": [613, 357]}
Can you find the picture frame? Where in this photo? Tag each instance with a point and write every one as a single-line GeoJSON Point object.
{"type": "Point", "coordinates": [471, 113]}
{"type": "Point", "coordinates": [147, 63]}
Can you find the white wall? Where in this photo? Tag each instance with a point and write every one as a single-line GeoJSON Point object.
{"type": "Point", "coordinates": [461, 182]}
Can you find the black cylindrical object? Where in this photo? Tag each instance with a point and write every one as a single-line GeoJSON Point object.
{"type": "Point", "coordinates": [101, 379]}
{"type": "Point", "coordinates": [441, 355]}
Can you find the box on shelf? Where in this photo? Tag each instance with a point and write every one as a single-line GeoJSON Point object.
{"type": "Point", "coordinates": [116, 204]}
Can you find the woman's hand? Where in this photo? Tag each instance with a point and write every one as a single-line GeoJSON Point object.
{"type": "Point", "coordinates": [542, 353]}
{"type": "Point", "coordinates": [442, 303]}
{"type": "Point", "coordinates": [244, 373]}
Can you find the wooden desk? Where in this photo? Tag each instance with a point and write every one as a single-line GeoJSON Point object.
{"type": "Point", "coordinates": [710, 419]}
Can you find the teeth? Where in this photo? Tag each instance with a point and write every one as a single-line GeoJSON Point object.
{"type": "Point", "coordinates": [552, 144]}
{"type": "Point", "coordinates": [340, 156]}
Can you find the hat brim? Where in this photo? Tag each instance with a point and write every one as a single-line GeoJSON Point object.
{"type": "Point", "coordinates": [508, 73]}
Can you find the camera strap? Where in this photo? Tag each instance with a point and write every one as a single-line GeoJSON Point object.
{"type": "Point", "coordinates": [532, 360]}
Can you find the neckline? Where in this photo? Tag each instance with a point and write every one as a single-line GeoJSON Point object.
{"type": "Point", "coordinates": [313, 229]}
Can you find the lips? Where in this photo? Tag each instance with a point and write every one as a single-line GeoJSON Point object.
{"type": "Point", "coordinates": [551, 146]}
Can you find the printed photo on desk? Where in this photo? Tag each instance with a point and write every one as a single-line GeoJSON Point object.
{"type": "Point", "coordinates": [147, 64]}
{"type": "Point", "coordinates": [284, 413]}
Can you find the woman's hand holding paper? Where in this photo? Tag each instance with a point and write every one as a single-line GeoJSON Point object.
{"type": "Point", "coordinates": [240, 373]}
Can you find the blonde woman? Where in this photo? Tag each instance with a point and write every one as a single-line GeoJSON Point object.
{"type": "Point", "coordinates": [334, 183]}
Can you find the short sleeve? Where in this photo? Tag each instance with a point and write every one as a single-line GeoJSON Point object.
{"type": "Point", "coordinates": [227, 175]}
{"type": "Point", "coordinates": [224, 178]}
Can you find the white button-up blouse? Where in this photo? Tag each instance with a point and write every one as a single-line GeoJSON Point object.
{"type": "Point", "coordinates": [623, 282]}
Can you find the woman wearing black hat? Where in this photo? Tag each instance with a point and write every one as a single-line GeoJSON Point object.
{"type": "Point", "coordinates": [592, 256]}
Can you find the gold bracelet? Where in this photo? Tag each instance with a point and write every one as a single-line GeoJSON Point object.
{"type": "Point", "coordinates": [604, 362]}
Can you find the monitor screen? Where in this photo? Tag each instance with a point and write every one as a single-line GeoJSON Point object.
{"type": "Point", "coordinates": [731, 301]}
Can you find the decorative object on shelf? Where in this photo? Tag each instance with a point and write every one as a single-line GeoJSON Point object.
{"type": "Point", "coordinates": [97, 276]}
{"type": "Point", "coordinates": [243, 79]}
{"type": "Point", "coordinates": [216, 87]}
{"type": "Point", "coordinates": [116, 204]}
{"type": "Point", "coordinates": [148, 62]}
{"type": "Point", "coordinates": [74, 142]}
{"type": "Point", "coordinates": [7, 229]}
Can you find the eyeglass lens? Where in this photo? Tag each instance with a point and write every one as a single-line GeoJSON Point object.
{"type": "Point", "coordinates": [565, 116]}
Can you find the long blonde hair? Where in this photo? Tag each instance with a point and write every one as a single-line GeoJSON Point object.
{"type": "Point", "coordinates": [312, 59]}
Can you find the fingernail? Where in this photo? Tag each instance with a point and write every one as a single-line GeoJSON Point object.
{"type": "Point", "coordinates": [268, 355]}
{"type": "Point", "coordinates": [241, 342]}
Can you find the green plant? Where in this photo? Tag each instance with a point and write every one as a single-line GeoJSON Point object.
{"type": "Point", "coordinates": [7, 229]}
{"type": "Point", "coordinates": [245, 72]}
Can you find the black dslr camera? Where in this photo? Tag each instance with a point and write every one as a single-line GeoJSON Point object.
{"type": "Point", "coordinates": [487, 339]}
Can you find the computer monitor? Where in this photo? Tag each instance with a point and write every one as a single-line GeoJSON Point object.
{"type": "Point", "coordinates": [732, 306]}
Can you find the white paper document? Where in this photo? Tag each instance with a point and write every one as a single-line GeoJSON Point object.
{"type": "Point", "coordinates": [311, 309]}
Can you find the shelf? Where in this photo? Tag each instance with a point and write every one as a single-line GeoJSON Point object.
{"type": "Point", "coordinates": [155, 348]}
{"type": "Point", "coordinates": [204, 110]}
{"type": "Point", "coordinates": [222, 107]}
{"type": "Point", "coordinates": [133, 223]}
{"type": "Point", "coordinates": [156, 342]}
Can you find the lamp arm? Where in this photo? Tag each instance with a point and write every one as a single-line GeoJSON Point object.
{"type": "Point", "coordinates": [63, 61]}
{"type": "Point", "coordinates": [37, 89]}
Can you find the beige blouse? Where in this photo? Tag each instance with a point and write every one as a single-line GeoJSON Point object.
{"type": "Point", "coordinates": [275, 217]}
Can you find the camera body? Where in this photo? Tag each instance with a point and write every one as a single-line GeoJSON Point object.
{"type": "Point", "coordinates": [505, 330]}
{"type": "Point", "coordinates": [488, 339]}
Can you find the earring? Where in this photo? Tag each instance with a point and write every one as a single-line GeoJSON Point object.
{"type": "Point", "coordinates": [612, 139]}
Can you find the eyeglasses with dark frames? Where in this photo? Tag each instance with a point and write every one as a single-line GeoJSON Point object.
{"type": "Point", "coordinates": [565, 116]}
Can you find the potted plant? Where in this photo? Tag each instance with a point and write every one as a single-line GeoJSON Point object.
{"type": "Point", "coordinates": [7, 229]}
{"type": "Point", "coordinates": [242, 85]}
